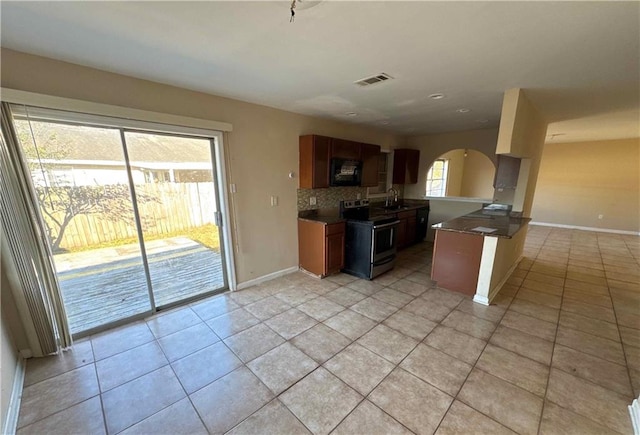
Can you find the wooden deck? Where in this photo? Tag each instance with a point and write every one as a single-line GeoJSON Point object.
{"type": "Point", "coordinates": [102, 293]}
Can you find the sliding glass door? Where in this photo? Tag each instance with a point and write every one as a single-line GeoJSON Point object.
{"type": "Point", "coordinates": [131, 216]}
{"type": "Point", "coordinates": [175, 189]}
{"type": "Point", "coordinates": [80, 179]}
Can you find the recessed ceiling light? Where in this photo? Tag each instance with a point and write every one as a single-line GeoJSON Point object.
{"type": "Point", "coordinates": [436, 96]}
{"type": "Point", "coordinates": [351, 114]}
{"type": "Point", "coordinates": [463, 110]}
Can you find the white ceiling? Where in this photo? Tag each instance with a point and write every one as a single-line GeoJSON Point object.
{"type": "Point", "coordinates": [579, 61]}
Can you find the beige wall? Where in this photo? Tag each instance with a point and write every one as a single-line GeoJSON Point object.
{"type": "Point", "coordinates": [455, 172]}
{"type": "Point", "coordinates": [579, 181]}
{"type": "Point", "coordinates": [262, 149]}
{"type": "Point", "coordinates": [13, 338]}
{"type": "Point", "coordinates": [8, 367]}
{"type": "Point", "coordinates": [433, 146]}
{"type": "Point", "coordinates": [469, 176]}
{"type": "Point", "coordinates": [521, 134]}
{"type": "Point", "coordinates": [477, 180]}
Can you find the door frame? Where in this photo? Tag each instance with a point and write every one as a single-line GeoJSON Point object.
{"type": "Point", "coordinates": [123, 118]}
{"type": "Point", "coordinates": [217, 166]}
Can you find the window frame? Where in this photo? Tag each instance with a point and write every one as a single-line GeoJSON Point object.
{"type": "Point", "coordinates": [444, 179]}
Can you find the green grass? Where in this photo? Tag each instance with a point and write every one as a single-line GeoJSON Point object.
{"type": "Point", "coordinates": [208, 235]}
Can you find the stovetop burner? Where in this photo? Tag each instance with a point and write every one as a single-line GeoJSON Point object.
{"type": "Point", "coordinates": [358, 210]}
{"type": "Point", "coordinates": [355, 210]}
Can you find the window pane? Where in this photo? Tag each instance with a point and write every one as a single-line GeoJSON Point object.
{"type": "Point", "coordinates": [80, 179]}
{"type": "Point", "coordinates": [174, 185]}
{"type": "Point", "coordinates": [437, 178]}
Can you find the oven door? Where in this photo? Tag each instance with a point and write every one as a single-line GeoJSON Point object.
{"type": "Point", "coordinates": [384, 241]}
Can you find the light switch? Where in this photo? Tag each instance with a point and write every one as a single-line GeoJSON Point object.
{"type": "Point", "coordinates": [233, 187]}
{"type": "Point", "coordinates": [274, 201]}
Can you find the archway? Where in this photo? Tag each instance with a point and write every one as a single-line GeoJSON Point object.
{"type": "Point", "coordinates": [461, 173]}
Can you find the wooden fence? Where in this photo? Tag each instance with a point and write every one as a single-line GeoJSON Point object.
{"type": "Point", "coordinates": [164, 208]}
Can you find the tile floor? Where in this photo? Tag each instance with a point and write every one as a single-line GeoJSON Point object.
{"type": "Point", "coordinates": [558, 352]}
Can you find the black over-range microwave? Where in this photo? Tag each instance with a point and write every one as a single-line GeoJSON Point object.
{"type": "Point", "coordinates": [345, 172]}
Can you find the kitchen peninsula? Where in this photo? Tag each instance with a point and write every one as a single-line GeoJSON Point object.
{"type": "Point", "coordinates": [475, 253]}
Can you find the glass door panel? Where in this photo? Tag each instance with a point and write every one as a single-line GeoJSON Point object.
{"type": "Point", "coordinates": [177, 202]}
{"type": "Point", "coordinates": [82, 186]}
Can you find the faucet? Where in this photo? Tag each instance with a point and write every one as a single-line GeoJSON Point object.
{"type": "Point", "coordinates": [387, 202]}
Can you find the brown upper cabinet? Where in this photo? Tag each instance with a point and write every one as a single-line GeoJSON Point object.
{"type": "Point", "coordinates": [314, 161]}
{"type": "Point", "coordinates": [316, 153]}
{"type": "Point", "coordinates": [345, 149]}
{"type": "Point", "coordinates": [405, 166]}
{"type": "Point", "coordinates": [369, 154]}
{"type": "Point", "coordinates": [507, 172]}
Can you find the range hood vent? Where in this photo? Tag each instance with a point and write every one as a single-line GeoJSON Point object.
{"type": "Point", "coordinates": [368, 81]}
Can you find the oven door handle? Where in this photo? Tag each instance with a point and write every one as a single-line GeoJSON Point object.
{"type": "Point", "coordinates": [379, 227]}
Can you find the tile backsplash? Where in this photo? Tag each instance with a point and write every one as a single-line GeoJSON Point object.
{"type": "Point", "coordinates": [328, 197]}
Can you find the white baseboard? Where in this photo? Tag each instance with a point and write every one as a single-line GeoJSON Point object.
{"type": "Point", "coordinates": [481, 299]}
{"type": "Point", "coordinates": [634, 413]}
{"type": "Point", "coordinates": [576, 227]}
{"type": "Point", "coordinates": [504, 280]}
{"type": "Point", "coordinates": [11, 422]}
{"type": "Point", "coordinates": [267, 277]}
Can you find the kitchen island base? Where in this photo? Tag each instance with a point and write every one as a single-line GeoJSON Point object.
{"type": "Point", "coordinates": [477, 263]}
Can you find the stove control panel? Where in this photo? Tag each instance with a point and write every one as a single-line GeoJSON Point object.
{"type": "Point", "coordinates": [356, 203]}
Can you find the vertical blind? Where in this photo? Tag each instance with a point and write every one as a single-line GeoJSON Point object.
{"type": "Point", "coordinates": [23, 227]}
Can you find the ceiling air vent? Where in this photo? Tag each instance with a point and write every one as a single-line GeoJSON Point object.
{"type": "Point", "coordinates": [373, 79]}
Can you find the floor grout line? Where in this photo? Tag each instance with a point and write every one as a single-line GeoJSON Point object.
{"type": "Point", "coordinates": [539, 254]}
{"type": "Point", "coordinates": [555, 338]}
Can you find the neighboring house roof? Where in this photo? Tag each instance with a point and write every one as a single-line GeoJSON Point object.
{"type": "Point", "coordinates": [73, 142]}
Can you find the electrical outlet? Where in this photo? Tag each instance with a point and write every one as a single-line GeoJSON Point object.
{"type": "Point", "coordinates": [600, 216]}
{"type": "Point", "coordinates": [358, 196]}
{"type": "Point", "coordinates": [313, 200]}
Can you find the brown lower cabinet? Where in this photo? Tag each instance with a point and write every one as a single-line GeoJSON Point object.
{"type": "Point", "coordinates": [456, 261]}
{"type": "Point", "coordinates": [406, 233]}
{"type": "Point", "coordinates": [321, 247]}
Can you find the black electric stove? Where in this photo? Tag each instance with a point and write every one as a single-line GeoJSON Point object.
{"type": "Point", "coordinates": [370, 241]}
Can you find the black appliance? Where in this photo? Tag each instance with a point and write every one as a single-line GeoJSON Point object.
{"type": "Point", "coordinates": [345, 172]}
{"type": "Point", "coordinates": [370, 242]}
{"type": "Point", "coordinates": [422, 223]}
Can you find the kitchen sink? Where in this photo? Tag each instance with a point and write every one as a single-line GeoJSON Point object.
{"type": "Point", "coordinates": [396, 207]}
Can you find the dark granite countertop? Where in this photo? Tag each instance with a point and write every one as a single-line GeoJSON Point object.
{"type": "Point", "coordinates": [332, 215]}
{"type": "Point", "coordinates": [327, 220]}
{"type": "Point", "coordinates": [506, 226]}
{"type": "Point", "coordinates": [326, 216]}
{"type": "Point", "coordinates": [378, 209]}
